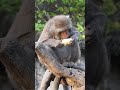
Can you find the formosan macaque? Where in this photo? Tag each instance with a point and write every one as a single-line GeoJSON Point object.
{"type": "Point", "coordinates": [62, 38]}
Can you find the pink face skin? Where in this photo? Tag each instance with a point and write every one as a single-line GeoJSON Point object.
{"type": "Point", "coordinates": [64, 35]}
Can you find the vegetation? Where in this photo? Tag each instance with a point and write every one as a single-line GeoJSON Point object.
{"type": "Point", "coordinates": [10, 6]}
{"type": "Point", "coordinates": [46, 9]}
{"type": "Point", "coordinates": [112, 8]}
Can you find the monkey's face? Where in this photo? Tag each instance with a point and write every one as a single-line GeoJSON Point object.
{"type": "Point", "coordinates": [64, 34]}
{"type": "Point", "coordinates": [60, 27]}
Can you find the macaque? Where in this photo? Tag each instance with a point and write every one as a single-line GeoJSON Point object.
{"type": "Point", "coordinates": [62, 38]}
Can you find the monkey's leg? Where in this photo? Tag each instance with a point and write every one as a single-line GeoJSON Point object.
{"type": "Point", "coordinates": [45, 83]}
{"type": "Point", "coordinates": [47, 49]}
{"type": "Point", "coordinates": [48, 75]}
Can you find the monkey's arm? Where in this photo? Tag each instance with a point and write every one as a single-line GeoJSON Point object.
{"type": "Point", "coordinates": [47, 39]}
{"type": "Point", "coordinates": [52, 42]}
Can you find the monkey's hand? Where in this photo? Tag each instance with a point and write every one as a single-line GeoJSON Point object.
{"type": "Point", "coordinates": [67, 41]}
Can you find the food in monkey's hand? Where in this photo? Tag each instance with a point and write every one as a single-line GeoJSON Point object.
{"type": "Point", "coordinates": [66, 42]}
{"type": "Point", "coordinates": [61, 38]}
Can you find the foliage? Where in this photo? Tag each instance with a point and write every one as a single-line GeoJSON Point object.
{"type": "Point", "coordinates": [111, 8]}
{"type": "Point", "coordinates": [10, 6]}
{"type": "Point", "coordinates": [45, 9]}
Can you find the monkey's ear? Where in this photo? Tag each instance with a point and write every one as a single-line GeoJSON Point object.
{"type": "Point", "coordinates": [68, 16]}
